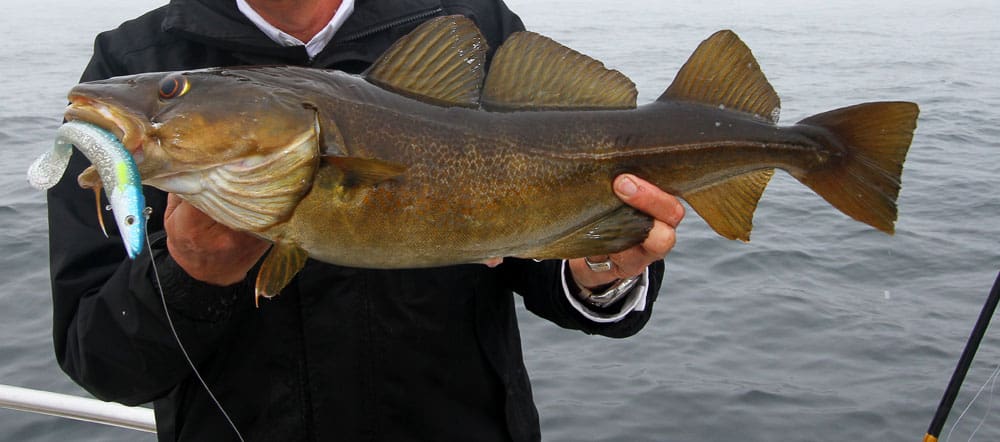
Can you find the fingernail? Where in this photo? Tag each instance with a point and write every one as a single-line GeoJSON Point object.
{"type": "Point", "coordinates": [626, 186]}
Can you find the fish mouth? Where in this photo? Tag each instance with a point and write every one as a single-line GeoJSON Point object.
{"type": "Point", "coordinates": [124, 125]}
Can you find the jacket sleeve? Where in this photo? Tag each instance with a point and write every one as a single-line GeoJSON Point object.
{"type": "Point", "coordinates": [109, 327]}
{"type": "Point", "coordinates": [541, 286]}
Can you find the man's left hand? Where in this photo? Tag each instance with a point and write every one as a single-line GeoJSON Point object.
{"type": "Point", "coordinates": [667, 213]}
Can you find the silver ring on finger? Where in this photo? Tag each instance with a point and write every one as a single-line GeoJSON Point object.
{"type": "Point", "coordinates": [600, 266]}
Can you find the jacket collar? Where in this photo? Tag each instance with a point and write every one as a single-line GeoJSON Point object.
{"type": "Point", "coordinates": [372, 16]}
{"type": "Point", "coordinates": [220, 24]}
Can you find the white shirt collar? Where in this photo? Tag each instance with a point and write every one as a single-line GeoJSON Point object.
{"type": "Point", "coordinates": [318, 42]}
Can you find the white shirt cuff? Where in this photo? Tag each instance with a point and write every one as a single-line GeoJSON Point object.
{"type": "Point", "coordinates": [635, 300]}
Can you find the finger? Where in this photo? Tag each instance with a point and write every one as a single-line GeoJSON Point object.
{"type": "Point", "coordinates": [630, 262]}
{"type": "Point", "coordinates": [649, 199]}
{"type": "Point", "coordinates": [658, 244]}
{"type": "Point", "coordinates": [660, 241]}
{"type": "Point", "coordinates": [584, 276]}
{"type": "Point", "coordinates": [172, 202]}
{"type": "Point", "coordinates": [182, 213]}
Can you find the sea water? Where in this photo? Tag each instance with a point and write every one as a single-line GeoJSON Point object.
{"type": "Point", "coordinates": [819, 329]}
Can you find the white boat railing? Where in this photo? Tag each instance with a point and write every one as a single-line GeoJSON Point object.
{"type": "Point", "coordinates": [75, 407]}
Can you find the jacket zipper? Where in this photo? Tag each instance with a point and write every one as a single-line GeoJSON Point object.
{"type": "Point", "coordinates": [386, 26]}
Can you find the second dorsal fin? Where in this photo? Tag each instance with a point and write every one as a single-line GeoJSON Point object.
{"type": "Point", "coordinates": [723, 72]}
{"type": "Point", "coordinates": [531, 71]}
{"type": "Point", "coordinates": [442, 61]}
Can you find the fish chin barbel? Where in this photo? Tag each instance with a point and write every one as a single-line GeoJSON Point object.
{"type": "Point", "coordinates": [119, 175]}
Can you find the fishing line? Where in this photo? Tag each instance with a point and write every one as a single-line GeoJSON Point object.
{"type": "Point", "coordinates": [177, 337]}
{"type": "Point", "coordinates": [964, 362]}
{"type": "Point", "coordinates": [989, 406]}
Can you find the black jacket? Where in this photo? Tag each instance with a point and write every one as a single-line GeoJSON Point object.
{"type": "Point", "coordinates": [342, 353]}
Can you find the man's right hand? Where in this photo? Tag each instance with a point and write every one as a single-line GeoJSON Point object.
{"type": "Point", "coordinates": [208, 251]}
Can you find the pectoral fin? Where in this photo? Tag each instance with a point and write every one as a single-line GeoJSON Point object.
{"type": "Point", "coordinates": [616, 231]}
{"type": "Point", "coordinates": [358, 172]}
{"type": "Point", "coordinates": [283, 262]}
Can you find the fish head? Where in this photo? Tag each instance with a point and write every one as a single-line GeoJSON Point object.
{"type": "Point", "coordinates": [225, 139]}
{"type": "Point", "coordinates": [177, 121]}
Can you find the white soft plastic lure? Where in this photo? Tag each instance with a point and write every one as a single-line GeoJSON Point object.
{"type": "Point", "coordinates": [119, 175]}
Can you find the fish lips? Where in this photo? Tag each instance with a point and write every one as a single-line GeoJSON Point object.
{"type": "Point", "coordinates": [130, 129]}
{"type": "Point", "coordinates": [123, 124]}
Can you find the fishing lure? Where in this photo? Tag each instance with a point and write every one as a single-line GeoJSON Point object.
{"type": "Point", "coordinates": [118, 171]}
{"type": "Point", "coordinates": [123, 185]}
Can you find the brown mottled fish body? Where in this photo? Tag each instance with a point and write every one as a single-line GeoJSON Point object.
{"type": "Point", "coordinates": [500, 181]}
{"type": "Point", "coordinates": [427, 161]}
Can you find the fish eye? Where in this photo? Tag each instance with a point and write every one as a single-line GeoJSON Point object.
{"type": "Point", "coordinates": [129, 220]}
{"type": "Point", "coordinates": [173, 86]}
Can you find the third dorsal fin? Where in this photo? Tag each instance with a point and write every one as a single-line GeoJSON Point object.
{"type": "Point", "coordinates": [531, 71]}
{"type": "Point", "coordinates": [723, 72]}
{"type": "Point", "coordinates": [442, 61]}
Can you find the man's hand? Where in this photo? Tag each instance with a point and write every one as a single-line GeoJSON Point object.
{"type": "Point", "coordinates": [206, 250]}
{"type": "Point", "coordinates": [667, 213]}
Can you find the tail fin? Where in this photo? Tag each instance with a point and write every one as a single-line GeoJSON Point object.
{"type": "Point", "coordinates": [874, 138]}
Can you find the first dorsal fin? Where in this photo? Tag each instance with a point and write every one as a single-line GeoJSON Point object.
{"type": "Point", "coordinates": [531, 71]}
{"type": "Point", "coordinates": [442, 61]}
{"type": "Point", "coordinates": [723, 72]}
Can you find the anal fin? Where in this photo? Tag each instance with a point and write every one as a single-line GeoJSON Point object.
{"type": "Point", "coordinates": [728, 206]}
{"type": "Point", "coordinates": [616, 231]}
{"type": "Point", "coordinates": [283, 262]}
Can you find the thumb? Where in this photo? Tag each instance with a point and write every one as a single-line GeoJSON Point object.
{"type": "Point", "coordinates": [172, 202]}
{"type": "Point", "coordinates": [649, 199]}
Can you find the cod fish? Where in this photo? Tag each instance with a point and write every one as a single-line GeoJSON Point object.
{"type": "Point", "coordinates": [428, 160]}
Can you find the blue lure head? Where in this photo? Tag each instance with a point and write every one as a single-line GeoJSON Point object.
{"type": "Point", "coordinates": [124, 189]}
{"type": "Point", "coordinates": [128, 204]}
